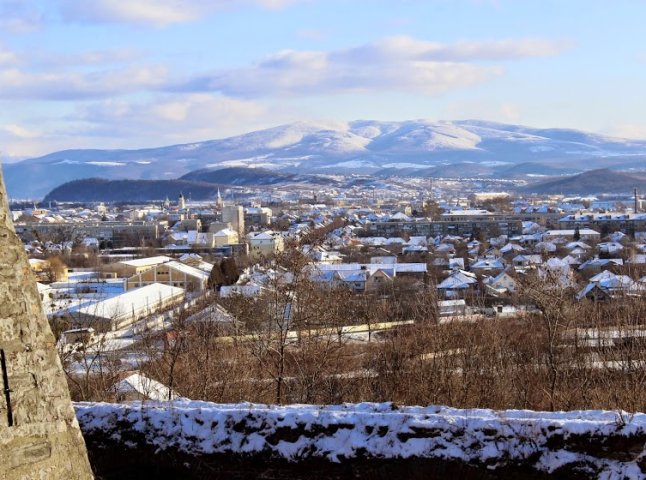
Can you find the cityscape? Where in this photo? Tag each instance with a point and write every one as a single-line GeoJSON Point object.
{"type": "Point", "coordinates": [202, 278]}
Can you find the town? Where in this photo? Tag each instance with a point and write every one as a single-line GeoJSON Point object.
{"type": "Point", "coordinates": [295, 291]}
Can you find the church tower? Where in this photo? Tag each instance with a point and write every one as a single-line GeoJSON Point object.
{"type": "Point", "coordinates": [219, 202]}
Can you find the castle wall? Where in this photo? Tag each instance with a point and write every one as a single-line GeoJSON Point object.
{"type": "Point", "coordinates": [39, 434]}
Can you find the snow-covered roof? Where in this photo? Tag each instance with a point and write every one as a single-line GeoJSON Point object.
{"type": "Point", "coordinates": [145, 386]}
{"type": "Point", "coordinates": [188, 270]}
{"type": "Point", "coordinates": [146, 262]}
{"type": "Point", "coordinates": [132, 302]}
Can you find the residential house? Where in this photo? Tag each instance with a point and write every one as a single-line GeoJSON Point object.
{"type": "Point", "coordinates": [486, 265]}
{"type": "Point", "coordinates": [500, 284]}
{"type": "Point", "coordinates": [606, 286]}
{"type": "Point", "coordinates": [458, 283]}
{"type": "Point", "coordinates": [265, 244]}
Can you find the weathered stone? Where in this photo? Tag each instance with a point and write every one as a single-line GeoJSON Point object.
{"type": "Point", "coordinates": [39, 434]}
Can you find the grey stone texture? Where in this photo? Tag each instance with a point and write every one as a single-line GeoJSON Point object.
{"type": "Point", "coordinates": [39, 434]}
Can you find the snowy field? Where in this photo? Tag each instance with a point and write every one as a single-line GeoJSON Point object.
{"type": "Point", "coordinates": [596, 444]}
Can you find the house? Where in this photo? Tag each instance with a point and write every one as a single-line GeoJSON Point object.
{"type": "Point", "coordinates": [379, 280]}
{"type": "Point", "coordinates": [487, 265]}
{"type": "Point", "coordinates": [501, 283]}
{"type": "Point", "coordinates": [597, 264]}
{"type": "Point", "coordinates": [607, 285]}
{"type": "Point", "coordinates": [545, 247]}
{"type": "Point", "coordinates": [362, 277]}
{"type": "Point", "coordinates": [610, 247]}
{"type": "Point", "coordinates": [526, 261]}
{"type": "Point", "coordinates": [512, 249]}
{"type": "Point", "coordinates": [577, 245]}
{"type": "Point", "coordinates": [226, 236]}
{"type": "Point", "coordinates": [456, 263]}
{"type": "Point", "coordinates": [353, 279]}
{"type": "Point", "coordinates": [556, 273]}
{"type": "Point", "coordinates": [265, 244]}
{"type": "Point", "coordinates": [459, 282]}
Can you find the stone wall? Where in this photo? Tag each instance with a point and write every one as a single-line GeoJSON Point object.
{"type": "Point", "coordinates": [192, 440]}
{"type": "Point", "coordinates": [39, 434]}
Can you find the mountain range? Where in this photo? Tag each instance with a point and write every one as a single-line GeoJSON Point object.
{"type": "Point", "coordinates": [419, 147]}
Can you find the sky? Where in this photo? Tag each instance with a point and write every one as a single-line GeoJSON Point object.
{"type": "Point", "coordinates": [145, 73]}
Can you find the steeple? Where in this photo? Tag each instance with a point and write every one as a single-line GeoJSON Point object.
{"type": "Point", "coordinates": [219, 201]}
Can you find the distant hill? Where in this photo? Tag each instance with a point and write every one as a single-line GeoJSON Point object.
{"type": "Point", "coordinates": [524, 169]}
{"type": "Point", "coordinates": [200, 184]}
{"type": "Point", "coordinates": [101, 190]}
{"type": "Point", "coordinates": [448, 148]}
{"type": "Point", "coordinates": [242, 176]}
{"type": "Point", "coordinates": [591, 182]}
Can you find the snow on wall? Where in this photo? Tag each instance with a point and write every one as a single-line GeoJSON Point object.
{"type": "Point", "coordinates": [604, 444]}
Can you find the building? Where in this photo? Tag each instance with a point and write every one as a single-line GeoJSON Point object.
{"type": "Point", "coordinates": [226, 236]}
{"type": "Point", "coordinates": [488, 225]}
{"type": "Point", "coordinates": [122, 310]}
{"type": "Point", "coordinates": [175, 274]}
{"type": "Point", "coordinates": [127, 268]}
{"type": "Point", "coordinates": [265, 244]}
{"type": "Point", "coordinates": [606, 222]}
{"type": "Point", "coordinates": [260, 216]}
{"type": "Point", "coordinates": [570, 234]}
{"type": "Point", "coordinates": [234, 214]}
{"type": "Point", "coordinates": [109, 234]}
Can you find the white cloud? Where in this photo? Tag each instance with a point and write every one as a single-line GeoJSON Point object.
{"type": "Point", "coordinates": [175, 118]}
{"type": "Point", "coordinates": [490, 110]}
{"type": "Point", "coordinates": [15, 83]}
{"type": "Point", "coordinates": [19, 16]}
{"type": "Point", "coordinates": [7, 57]}
{"type": "Point", "coordinates": [473, 50]}
{"type": "Point", "coordinates": [396, 63]}
{"type": "Point", "coordinates": [18, 131]}
{"type": "Point", "coordinates": [162, 120]}
{"type": "Point", "coordinates": [87, 58]}
{"type": "Point", "coordinates": [630, 131]}
{"type": "Point", "coordinates": [153, 12]}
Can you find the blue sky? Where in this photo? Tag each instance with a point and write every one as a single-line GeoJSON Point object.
{"type": "Point", "coordinates": [139, 73]}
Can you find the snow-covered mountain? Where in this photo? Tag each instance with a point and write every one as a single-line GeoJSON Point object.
{"type": "Point", "coordinates": [361, 146]}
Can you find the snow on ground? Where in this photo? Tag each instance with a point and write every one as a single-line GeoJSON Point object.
{"type": "Point", "coordinates": [585, 440]}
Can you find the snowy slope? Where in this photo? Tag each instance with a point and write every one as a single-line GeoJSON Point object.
{"type": "Point", "coordinates": [363, 146]}
{"type": "Point", "coordinates": [597, 444]}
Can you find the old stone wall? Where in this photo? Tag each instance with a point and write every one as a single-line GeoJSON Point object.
{"type": "Point", "coordinates": [39, 434]}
